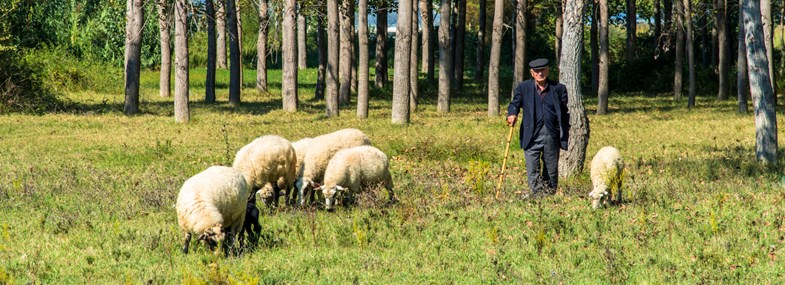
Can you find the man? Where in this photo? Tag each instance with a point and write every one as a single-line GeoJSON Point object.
{"type": "Point", "coordinates": [545, 126]}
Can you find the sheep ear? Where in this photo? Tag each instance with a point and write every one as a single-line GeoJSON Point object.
{"type": "Point", "coordinates": [339, 188]}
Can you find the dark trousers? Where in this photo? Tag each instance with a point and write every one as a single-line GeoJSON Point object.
{"type": "Point", "coordinates": [542, 151]}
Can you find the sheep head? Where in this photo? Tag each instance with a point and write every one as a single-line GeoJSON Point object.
{"type": "Point", "coordinates": [329, 195]}
{"type": "Point", "coordinates": [212, 235]}
{"type": "Point", "coordinates": [599, 198]}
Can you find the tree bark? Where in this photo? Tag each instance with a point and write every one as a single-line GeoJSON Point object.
{"type": "Point", "coordinates": [401, 80]}
{"type": "Point", "coordinates": [413, 70]}
{"type": "Point", "coordinates": [722, 42]}
{"type": "Point", "coordinates": [302, 53]}
{"type": "Point", "coordinates": [595, 49]}
{"type": "Point", "coordinates": [289, 57]}
{"type": "Point", "coordinates": [445, 60]}
{"type": "Point", "coordinates": [353, 49]}
{"type": "Point", "coordinates": [362, 68]}
{"type": "Point", "coordinates": [181, 110]}
{"type": "Point", "coordinates": [164, 85]}
{"type": "Point", "coordinates": [209, 84]}
{"type": "Point", "coordinates": [345, 69]}
{"type": "Point", "coordinates": [667, 45]}
{"type": "Point", "coordinates": [559, 30]}
{"type": "Point", "coordinates": [333, 46]}
{"type": "Point", "coordinates": [690, 53]}
{"type": "Point", "coordinates": [602, 88]}
{"type": "Point", "coordinates": [234, 56]}
{"type": "Point", "coordinates": [426, 12]}
{"type": "Point", "coordinates": [239, 40]}
{"type": "Point", "coordinates": [632, 28]}
{"type": "Point", "coordinates": [261, 48]}
{"type": "Point", "coordinates": [381, 47]}
{"type": "Point", "coordinates": [493, 66]}
{"type": "Point", "coordinates": [760, 85]}
{"type": "Point", "coordinates": [571, 161]}
{"type": "Point", "coordinates": [742, 84]}
{"type": "Point", "coordinates": [321, 42]}
{"type": "Point", "coordinates": [657, 22]}
{"type": "Point", "coordinates": [479, 72]}
{"type": "Point", "coordinates": [520, 46]}
{"type": "Point", "coordinates": [460, 39]}
{"type": "Point", "coordinates": [768, 37]}
{"type": "Point", "coordinates": [678, 67]}
{"type": "Point", "coordinates": [134, 21]}
{"type": "Point", "coordinates": [220, 22]}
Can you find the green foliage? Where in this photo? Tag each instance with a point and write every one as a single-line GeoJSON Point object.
{"type": "Point", "coordinates": [23, 86]}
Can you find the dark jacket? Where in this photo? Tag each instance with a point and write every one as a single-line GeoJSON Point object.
{"type": "Point", "coordinates": [525, 94]}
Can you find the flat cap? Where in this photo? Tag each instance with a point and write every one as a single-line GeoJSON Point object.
{"type": "Point", "coordinates": [538, 63]}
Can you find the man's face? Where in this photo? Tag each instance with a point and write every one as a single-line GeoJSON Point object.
{"type": "Point", "coordinates": [539, 74]}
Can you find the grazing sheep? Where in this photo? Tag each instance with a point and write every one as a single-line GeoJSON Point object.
{"type": "Point", "coordinates": [251, 226]}
{"type": "Point", "coordinates": [356, 169]}
{"type": "Point", "coordinates": [319, 154]}
{"type": "Point", "coordinates": [607, 172]}
{"type": "Point", "coordinates": [265, 161]}
{"type": "Point", "coordinates": [300, 148]}
{"type": "Point", "coordinates": [211, 204]}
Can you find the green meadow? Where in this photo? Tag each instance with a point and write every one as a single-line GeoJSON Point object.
{"type": "Point", "coordinates": [87, 195]}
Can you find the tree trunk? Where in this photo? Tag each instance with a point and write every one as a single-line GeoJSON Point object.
{"type": "Point", "coordinates": [426, 12]}
{"type": "Point", "coordinates": [632, 28]}
{"type": "Point", "coordinates": [401, 81]}
{"type": "Point", "coordinates": [234, 55]}
{"type": "Point", "coordinates": [760, 85]}
{"type": "Point", "coordinates": [381, 47]}
{"type": "Point", "coordinates": [239, 40]}
{"type": "Point", "coordinates": [460, 39]}
{"type": "Point", "coordinates": [742, 84]}
{"type": "Point", "coordinates": [413, 74]}
{"type": "Point", "coordinates": [345, 69]}
{"type": "Point", "coordinates": [134, 21]}
{"type": "Point", "coordinates": [782, 43]}
{"type": "Point", "coordinates": [166, 51]}
{"type": "Point", "coordinates": [768, 37]}
{"type": "Point", "coordinates": [519, 53]}
{"type": "Point", "coordinates": [602, 88]}
{"type": "Point", "coordinates": [353, 49]}
{"type": "Point", "coordinates": [181, 110]}
{"type": "Point", "coordinates": [678, 68]}
{"type": "Point", "coordinates": [289, 57]}
{"type": "Point", "coordinates": [571, 161]}
{"type": "Point", "coordinates": [690, 53]}
{"type": "Point", "coordinates": [714, 42]}
{"type": "Point", "coordinates": [493, 66]}
{"type": "Point", "coordinates": [480, 65]}
{"type": "Point", "coordinates": [657, 22]}
{"type": "Point", "coordinates": [362, 68]}
{"type": "Point", "coordinates": [261, 48]}
{"type": "Point", "coordinates": [302, 53]}
{"type": "Point", "coordinates": [333, 46]}
{"type": "Point", "coordinates": [321, 42]}
{"type": "Point", "coordinates": [595, 49]}
{"type": "Point", "coordinates": [445, 60]}
{"type": "Point", "coordinates": [667, 45]}
{"type": "Point", "coordinates": [559, 30]}
{"type": "Point", "coordinates": [704, 27]}
{"type": "Point", "coordinates": [209, 85]}
{"type": "Point", "coordinates": [220, 23]}
{"type": "Point", "coordinates": [722, 42]}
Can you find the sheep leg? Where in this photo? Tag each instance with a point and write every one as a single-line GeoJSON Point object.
{"type": "Point", "coordinates": [187, 243]}
{"type": "Point", "coordinates": [229, 242]}
{"type": "Point", "coordinates": [388, 184]}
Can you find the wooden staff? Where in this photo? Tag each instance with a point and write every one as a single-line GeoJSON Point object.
{"type": "Point", "coordinates": [504, 163]}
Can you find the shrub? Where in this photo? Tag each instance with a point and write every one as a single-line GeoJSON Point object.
{"type": "Point", "coordinates": [23, 87]}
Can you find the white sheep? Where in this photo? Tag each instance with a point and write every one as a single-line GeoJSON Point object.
{"type": "Point", "coordinates": [319, 154]}
{"type": "Point", "coordinates": [607, 173]}
{"type": "Point", "coordinates": [264, 162]}
{"type": "Point", "coordinates": [356, 169]}
{"type": "Point", "coordinates": [211, 204]}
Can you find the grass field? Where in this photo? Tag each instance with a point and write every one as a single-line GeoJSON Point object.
{"type": "Point", "coordinates": [87, 197]}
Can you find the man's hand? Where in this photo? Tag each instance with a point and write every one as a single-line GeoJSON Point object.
{"type": "Point", "coordinates": [511, 120]}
